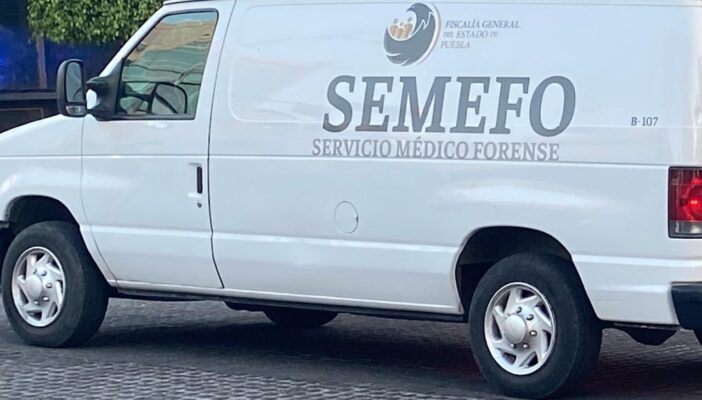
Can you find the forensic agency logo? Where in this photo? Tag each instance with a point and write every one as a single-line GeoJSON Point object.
{"type": "Point", "coordinates": [437, 115]}
{"type": "Point", "coordinates": [410, 41]}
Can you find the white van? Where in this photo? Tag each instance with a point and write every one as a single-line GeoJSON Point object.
{"type": "Point", "coordinates": [533, 168]}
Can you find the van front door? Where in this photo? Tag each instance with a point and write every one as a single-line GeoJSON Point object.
{"type": "Point", "coordinates": [145, 172]}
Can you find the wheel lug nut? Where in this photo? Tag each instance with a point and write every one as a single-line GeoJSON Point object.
{"type": "Point", "coordinates": [519, 309]}
{"type": "Point", "coordinates": [49, 285]}
{"type": "Point", "coordinates": [532, 333]}
{"type": "Point", "coordinates": [43, 273]}
{"type": "Point", "coordinates": [45, 299]}
{"type": "Point", "coordinates": [514, 346]}
{"type": "Point", "coordinates": [525, 346]}
{"type": "Point", "coordinates": [530, 317]}
{"type": "Point", "coordinates": [36, 303]}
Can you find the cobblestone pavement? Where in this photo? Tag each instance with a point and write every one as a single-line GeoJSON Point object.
{"type": "Point", "coordinates": [203, 350]}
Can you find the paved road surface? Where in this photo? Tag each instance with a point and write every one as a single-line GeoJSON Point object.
{"type": "Point", "coordinates": [203, 350]}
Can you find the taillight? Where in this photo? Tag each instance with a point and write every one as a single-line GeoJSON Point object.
{"type": "Point", "coordinates": [685, 202]}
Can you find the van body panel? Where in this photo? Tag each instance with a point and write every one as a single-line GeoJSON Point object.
{"type": "Point", "coordinates": [139, 179]}
{"type": "Point", "coordinates": [271, 152]}
{"type": "Point", "coordinates": [44, 159]}
{"type": "Point", "coordinates": [527, 159]}
{"type": "Point", "coordinates": [294, 94]}
{"type": "Point", "coordinates": [310, 196]}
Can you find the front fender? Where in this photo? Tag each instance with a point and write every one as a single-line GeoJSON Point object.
{"type": "Point", "coordinates": [44, 159]}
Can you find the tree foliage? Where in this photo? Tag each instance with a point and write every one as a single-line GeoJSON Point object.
{"type": "Point", "coordinates": [89, 21]}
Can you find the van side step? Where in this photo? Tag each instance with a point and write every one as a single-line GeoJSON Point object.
{"type": "Point", "coordinates": [245, 304]}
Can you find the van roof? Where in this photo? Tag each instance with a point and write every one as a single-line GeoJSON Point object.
{"type": "Point", "coordinates": [609, 2]}
{"type": "Point", "coordinates": [167, 2]}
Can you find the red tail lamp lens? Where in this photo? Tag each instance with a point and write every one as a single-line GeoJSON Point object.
{"type": "Point", "coordinates": [685, 202]}
{"type": "Point", "coordinates": [693, 205]}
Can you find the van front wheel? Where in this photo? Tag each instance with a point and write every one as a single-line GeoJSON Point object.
{"type": "Point", "coordinates": [533, 332]}
{"type": "Point", "coordinates": [53, 294]}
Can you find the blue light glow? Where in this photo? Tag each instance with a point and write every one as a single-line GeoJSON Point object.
{"type": "Point", "coordinates": [4, 58]}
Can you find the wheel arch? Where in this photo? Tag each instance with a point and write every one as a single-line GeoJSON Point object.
{"type": "Point", "coordinates": [488, 245]}
{"type": "Point", "coordinates": [24, 211]}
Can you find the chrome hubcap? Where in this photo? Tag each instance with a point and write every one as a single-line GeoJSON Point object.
{"type": "Point", "coordinates": [38, 285]}
{"type": "Point", "coordinates": [520, 329]}
{"type": "Point", "coordinates": [515, 329]}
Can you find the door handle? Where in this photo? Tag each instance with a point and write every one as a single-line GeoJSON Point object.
{"type": "Point", "coordinates": [199, 183]}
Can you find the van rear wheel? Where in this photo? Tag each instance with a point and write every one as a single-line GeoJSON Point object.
{"type": "Point", "coordinates": [299, 318]}
{"type": "Point", "coordinates": [532, 329]}
{"type": "Point", "coordinates": [53, 294]}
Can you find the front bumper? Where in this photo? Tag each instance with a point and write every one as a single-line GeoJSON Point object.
{"type": "Point", "coordinates": [687, 299]}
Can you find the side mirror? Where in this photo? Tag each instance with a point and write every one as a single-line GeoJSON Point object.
{"type": "Point", "coordinates": [106, 88]}
{"type": "Point", "coordinates": [70, 87]}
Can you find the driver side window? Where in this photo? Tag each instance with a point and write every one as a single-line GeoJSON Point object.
{"type": "Point", "coordinates": [163, 74]}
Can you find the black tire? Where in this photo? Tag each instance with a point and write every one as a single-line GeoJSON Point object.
{"type": "Point", "coordinates": [578, 330]}
{"type": "Point", "coordinates": [299, 318]}
{"type": "Point", "coordinates": [86, 292]}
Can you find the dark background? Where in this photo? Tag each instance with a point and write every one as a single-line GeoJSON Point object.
{"type": "Point", "coordinates": [20, 54]}
{"type": "Point", "coordinates": [28, 66]}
